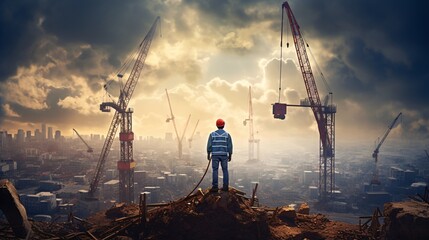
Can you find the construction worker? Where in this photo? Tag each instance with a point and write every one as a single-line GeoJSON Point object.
{"type": "Point", "coordinates": [219, 150]}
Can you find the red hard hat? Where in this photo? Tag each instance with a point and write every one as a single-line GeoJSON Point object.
{"type": "Point", "coordinates": [220, 123]}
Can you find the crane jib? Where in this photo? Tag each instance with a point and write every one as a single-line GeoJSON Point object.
{"type": "Point", "coordinates": [309, 81]}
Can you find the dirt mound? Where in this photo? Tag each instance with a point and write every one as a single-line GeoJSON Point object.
{"type": "Point", "coordinates": [203, 215]}
{"type": "Point", "coordinates": [210, 216]}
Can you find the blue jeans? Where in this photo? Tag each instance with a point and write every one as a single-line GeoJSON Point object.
{"type": "Point", "coordinates": [215, 166]}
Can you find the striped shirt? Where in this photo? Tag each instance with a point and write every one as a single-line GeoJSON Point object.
{"type": "Point", "coordinates": [219, 143]}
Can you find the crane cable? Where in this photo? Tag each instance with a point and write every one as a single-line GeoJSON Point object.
{"type": "Point", "coordinates": [281, 56]}
{"type": "Point", "coordinates": [317, 65]}
{"type": "Point", "coordinates": [281, 51]}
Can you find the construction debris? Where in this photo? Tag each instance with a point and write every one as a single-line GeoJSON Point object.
{"type": "Point", "coordinates": [304, 209]}
{"type": "Point", "coordinates": [202, 215]}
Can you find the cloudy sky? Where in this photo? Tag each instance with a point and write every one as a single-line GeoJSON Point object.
{"type": "Point", "coordinates": [56, 56]}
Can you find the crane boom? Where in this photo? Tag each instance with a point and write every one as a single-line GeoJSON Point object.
{"type": "Point", "coordinates": [375, 180]}
{"type": "Point", "coordinates": [90, 149]}
{"type": "Point", "coordinates": [186, 127]}
{"type": "Point", "coordinates": [171, 115]}
{"type": "Point", "coordinates": [309, 81]}
{"type": "Point", "coordinates": [123, 101]}
{"type": "Point", "coordinates": [377, 149]}
{"type": "Point", "coordinates": [192, 135]}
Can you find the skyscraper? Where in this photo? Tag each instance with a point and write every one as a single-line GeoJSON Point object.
{"type": "Point", "coordinates": [57, 135]}
{"type": "Point", "coordinates": [50, 134]}
{"type": "Point", "coordinates": [28, 136]}
{"type": "Point", "coordinates": [43, 131]}
{"type": "Point", "coordinates": [20, 136]}
{"type": "Point", "coordinates": [37, 135]}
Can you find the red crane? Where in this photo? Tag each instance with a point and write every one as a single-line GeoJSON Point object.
{"type": "Point", "coordinates": [123, 117]}
{"type": "Point", "coordinates": [324, 115]}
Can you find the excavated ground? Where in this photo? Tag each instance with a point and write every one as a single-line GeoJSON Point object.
{"type": "Point", "coordinates": [204, 215]}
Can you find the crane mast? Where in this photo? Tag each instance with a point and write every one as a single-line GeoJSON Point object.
{"type": "Point", "coordinates": [123, 117]}
{"type": "Point", "coordinates": [375, 179]}
{"type": "Point", "coordinates": [324, 115]}
{"type": "Point", "coordinates": [172, 118]}
{"type": "Point", "coordinates": [252, 140]}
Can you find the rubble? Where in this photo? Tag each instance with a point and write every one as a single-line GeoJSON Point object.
{"type": "Point", "coordinates": [304, 209]}
{"type": "Point", "coordinates": [287, 214]}
{"type": "Point", "coordinates": [203, 215]}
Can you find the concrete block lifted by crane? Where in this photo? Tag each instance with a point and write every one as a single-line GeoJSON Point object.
{"type": "Point", "coordinates": [279, 110]}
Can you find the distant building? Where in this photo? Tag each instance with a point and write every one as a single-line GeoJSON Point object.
{"type": "Point", "coordinates": [9, 139]}
{"type": "Point", "coordinates": [43, 137]}
{"type": "Point", "coordinates": [42, 202]}
{"type": "Point", "coordinates": [57, 135]}
{"type": "Point", "coordinates": [37, 135]}
{"type": "Point", "coordinates": [28, 136]}
{"type": "Point", "coordinates": [95, 137]}
{"type": "Point", "coordinates": [310, 177]}
{"type": "Point", "coordinates": [3, 140]}
{"type": "Point", "coordinates": [20, 137]}
{"type": "Point", "coordinates": [50, 134]}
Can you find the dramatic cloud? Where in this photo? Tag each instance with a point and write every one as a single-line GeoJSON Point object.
{"type": "Point", "coordinates": [58, 58]}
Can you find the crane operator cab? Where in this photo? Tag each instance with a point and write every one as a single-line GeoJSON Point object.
{"type": "Point", "coordinates": [279, 110]}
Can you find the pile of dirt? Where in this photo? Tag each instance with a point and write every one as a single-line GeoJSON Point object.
{"type": "Point", "coordinates": [203, 215]}
{"type": "Point", "coordinates": [209, 216]}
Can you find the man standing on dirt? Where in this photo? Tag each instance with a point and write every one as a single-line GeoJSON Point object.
{"type": "Point", "coordinates": [219, 150]}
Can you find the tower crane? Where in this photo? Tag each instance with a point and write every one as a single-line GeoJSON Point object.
{"type": "Point", "coordinates": [90, 149]}
{"type": "Point", "coordinates": [252, 140]}
{"type": "Point", "coordinates": [171, 118]}
{"type": "Point", "coordinates": [192, 135]}
{"type": "Point", "coordinates": [375, 180]}
{"type": "Point", "coordinates": [324, 115]}
{"type": "Point", "coordinates": [123, 117]}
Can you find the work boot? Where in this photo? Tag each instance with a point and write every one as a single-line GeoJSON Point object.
{"type": "Point", "coordinates": [225, 188]}
{"type": "Point", "coordinates": [214, 189]}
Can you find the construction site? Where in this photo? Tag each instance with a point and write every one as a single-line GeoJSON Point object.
{"type": "Point", "coordinates": [121, 186]}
